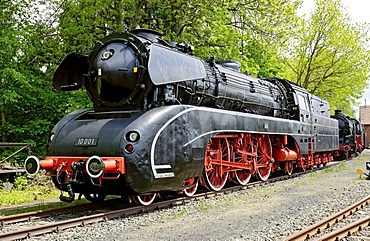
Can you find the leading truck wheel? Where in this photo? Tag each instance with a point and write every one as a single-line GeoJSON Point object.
{"type": "Point", "coordinates": [95, 197]}
{"type": "Point", "coordinates": [189, 192]}
{"type": "Point", "coordinates": [144, 199]}
{"type": "Point", "coordinates": [264, 153]}
{"type": "Point", "coordinates": [214, 175]}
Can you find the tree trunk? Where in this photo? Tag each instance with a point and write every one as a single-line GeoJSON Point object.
{"type": "Point", "coordinates": [3, 120]}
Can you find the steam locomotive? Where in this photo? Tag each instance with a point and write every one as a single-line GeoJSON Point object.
{"type": "Point", "coordinates": [351, 136]}
{"type": "Point", "coordinates": [166, 121]}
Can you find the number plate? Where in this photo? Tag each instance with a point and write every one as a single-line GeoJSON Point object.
{"type": "Point", "coordinates": [86, 142]}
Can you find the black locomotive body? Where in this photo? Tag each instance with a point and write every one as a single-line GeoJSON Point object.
{"type": "Point", "coordinates": [351, 136]}
{"type": "Point", "coordinates": [164, 120]}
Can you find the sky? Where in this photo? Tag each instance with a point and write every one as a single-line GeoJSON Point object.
{"type": "Point", "coordinates": [359, 12]}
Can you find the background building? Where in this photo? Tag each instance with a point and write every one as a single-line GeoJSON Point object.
{"type": "Point", "coordinates": [365, 121]}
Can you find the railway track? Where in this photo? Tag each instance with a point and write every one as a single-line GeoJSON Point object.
{"type": "Point", "coordinates": [35, 215]}
{"type": "Point", "coordinates": [353, 221]}
{"type": "Point", "coordinates": [51, 225]}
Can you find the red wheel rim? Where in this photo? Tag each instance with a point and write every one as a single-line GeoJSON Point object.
{"type": "Point", "coordinates": [189, 192]}
{"type": "Point", "coordinates": [245, 145]}
{"type": "Point", "coordinates": [145, 199]}
{"type": "Point", "coordinates": [264, 152]}
{"type": "Point", "coordinates": [214, 175]}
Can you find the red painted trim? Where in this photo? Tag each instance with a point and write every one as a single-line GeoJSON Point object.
{"type": "Point", "coordinates": [52, 163]}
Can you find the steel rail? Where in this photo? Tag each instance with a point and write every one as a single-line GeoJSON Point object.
{"type": "Point", "coordinates": [34, 215]}
{"type": "Point", "coordinates": [326, 223]}
{"type": "Point", "coordinates": [346, 230]}
{"type": "Point", "coordinates": [82, 221]}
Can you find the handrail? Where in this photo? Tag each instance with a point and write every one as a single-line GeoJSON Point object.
{"type": "Point", "coordinates": [10, 144]}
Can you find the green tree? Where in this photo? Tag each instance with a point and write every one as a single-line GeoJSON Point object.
{"type": "Point", "coordinates": [329, 56]}
{"type": "Point", "coordinates": [12, 44]}
{"type": "Point", "coordinates": [29, 106]}
{"type": "Point", "coordinates": [248, 31]}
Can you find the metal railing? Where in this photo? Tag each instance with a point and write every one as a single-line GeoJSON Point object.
{"type": "Point", "coordinates": [9, 144]}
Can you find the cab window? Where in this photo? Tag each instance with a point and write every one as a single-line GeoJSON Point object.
{"type": "Point", "coordinates": [302, 102]}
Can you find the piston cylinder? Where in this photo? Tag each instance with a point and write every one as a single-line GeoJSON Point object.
{"type": "Point", "coordinates": [285, 154]}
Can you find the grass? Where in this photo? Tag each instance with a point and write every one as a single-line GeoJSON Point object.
{"type": "Point", "coordinates": [313, 176]}
{"type": "Point", "coordinates": [26, 190]}
{"type": "Point", "coordinates": [181, 213]}
{"type": "Point", "coordinates": [202, 207]}
{"type": "Point", "coordinates": [16, 196]}
{"type": "Point", "coordinates": [341, 166]}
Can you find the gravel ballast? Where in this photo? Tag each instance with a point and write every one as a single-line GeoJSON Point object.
{"type": "Point", "coordinates": [270, 212]}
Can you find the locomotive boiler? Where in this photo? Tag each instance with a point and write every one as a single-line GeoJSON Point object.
{"type": "Point", "coordinates": [166, 121]}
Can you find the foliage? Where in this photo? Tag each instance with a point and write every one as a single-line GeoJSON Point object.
{"type": "Point", "coordinates": [20, 182]}
{"type": "Point", "coordinates": [29, 106]}
{"type": "Point", "coordinates": [329, 56]}
{"type": "Point", "coordinates": [10, 52]}
{"type": "Point", "coordinates": [27, 189]}
{"type": "Point", "coordinates": [240, 30]}
{"type": "Point", "coordinates": [22, 196]}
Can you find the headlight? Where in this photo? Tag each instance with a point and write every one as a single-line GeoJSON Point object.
{"type": "Point", "coordinates": [51, 137]}
{"type": "Point", "coordinates": [133, 136]}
